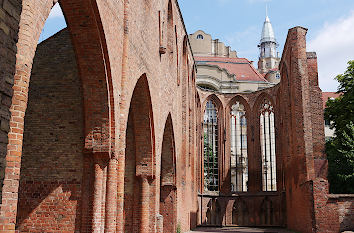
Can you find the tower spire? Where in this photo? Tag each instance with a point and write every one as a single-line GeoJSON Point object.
{"type": "Point", "coordinates": [268, 58]}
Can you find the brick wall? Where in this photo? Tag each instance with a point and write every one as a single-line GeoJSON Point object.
{"type": "Point", "coordinates": [9, 19]}
{"type": "Point", "coordinates": [52, 159]}
{"type": "Point", "coordinates": [116, 43]}
{"type": "Point", "coordinates": [345, 206]}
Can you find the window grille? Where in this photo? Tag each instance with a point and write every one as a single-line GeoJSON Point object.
{"type": "Point", "coordinates": [267, 139]}
{"type": "Point", "coordinates": [211, 155]}
{"type": "Point", "coordinates": [239, 158]}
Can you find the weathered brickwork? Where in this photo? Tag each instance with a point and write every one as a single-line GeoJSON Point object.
{"type": "Point", "coordinates": [301, 201]}
{"type": "Point", "coordinates": [105, 130]}
{"type": "Point", "coordinates": [54, 137]}
{"type": "Point", "coordinates": [263, 209]}
{"type": "Point", "coordinates": [345, 208]}
{"type": "Point", "coordinates": [10, 11]}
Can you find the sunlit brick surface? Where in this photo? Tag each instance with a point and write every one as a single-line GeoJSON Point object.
{"type": "Point", "coordinates": [92, 142]}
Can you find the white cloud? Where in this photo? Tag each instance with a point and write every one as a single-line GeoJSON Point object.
{"type": "Point", "coordinates": [334, 45]}
{"type": "Point", "coordinates": [56, 12]}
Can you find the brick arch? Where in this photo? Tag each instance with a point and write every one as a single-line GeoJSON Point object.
{"type": "Point", "coordinates": [217, 102]}
{"type": "Point", "coordinates": [139, 161]}
{"type": "Point", "coordinates": [243, 102]}
{"type": "Point", "coordinates": [184, 103]}
{"type": "Point", "coordinates": [199, 141]}
{"type": "Point", "coordinates": [168, 186]}
{"type": "Point", "coordinates": [84, 23]}
{"type": "Point", "coordinates": [260, 99]}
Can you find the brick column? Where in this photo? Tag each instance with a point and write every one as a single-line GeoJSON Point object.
{"type": "Point", "coordinates": [144, 209]}
{"type": "Point", "coordinates": [97, 193]}
{"type": "Point", "coordinates": [120, 193]}
{"type": "Point", "coordinates": [111, 198]}
{"type": "Point", "coordinates": [86, 193]}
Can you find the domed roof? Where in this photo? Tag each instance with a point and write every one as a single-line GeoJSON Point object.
{"type": "Point", "coordinates": [267, 32]}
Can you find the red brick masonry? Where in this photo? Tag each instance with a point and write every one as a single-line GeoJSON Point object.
{"type": "Point", "coordinates": [101, 130]}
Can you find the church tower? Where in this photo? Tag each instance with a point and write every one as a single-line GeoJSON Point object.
{"type": "Point", "coordinates": [269, 57]}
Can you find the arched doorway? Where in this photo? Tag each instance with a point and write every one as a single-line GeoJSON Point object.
{"type": "Point", "coordinates": [168, 189]}
{"type": "Point", "coordinates": [139, 161]}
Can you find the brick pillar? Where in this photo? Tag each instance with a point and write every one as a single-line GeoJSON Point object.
{"type": "Point", "coordinates": [97, 193]}
{"type": "Point", "coordinates": [120, 193]}
{"type": "Point", "coordinates": [86, 193]}
{"type": "Point", "coordinates": [144, 208]}
{"type": "Point", "coordinates": [111, 196]}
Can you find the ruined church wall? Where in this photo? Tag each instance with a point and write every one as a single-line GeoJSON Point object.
{"type": "Point", "coordinates": [52, 158]}
{"type": "Point", "coordinates": [9, 18]}
{"type": "Point", "coordinates": [245, 208]}
{"type": "Point", "coordinates": [115, 44]}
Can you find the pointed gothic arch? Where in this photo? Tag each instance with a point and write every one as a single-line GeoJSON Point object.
{"type": "Point", "coordinates": [267, 141]}
{"type": "Point", "coordinates": [212, 153]}
{"type": "Point", "coordinates": [168, 188]}
{"type": "Point", "coordinates": [97, 106]}
{"type": "Point", "coordinates": [139, 160]}
{"type": "Point", "coordinates": [239, 115]}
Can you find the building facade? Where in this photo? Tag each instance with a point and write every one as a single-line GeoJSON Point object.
{"type": "Point", "coordinates": [103, 130]}
{"type": "Point", "coordinates": [220, 70]}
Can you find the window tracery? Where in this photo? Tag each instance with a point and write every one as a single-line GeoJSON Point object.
{"type": "Point", "coordinates": [267, 141]}
{"type": "Point", "coordinates": [239, 158]}
{"type": "Point", "coordinates": [211, 165]}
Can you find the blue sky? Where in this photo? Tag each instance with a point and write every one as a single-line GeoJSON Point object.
{"type": "Point", "coordinates": [238, 23]}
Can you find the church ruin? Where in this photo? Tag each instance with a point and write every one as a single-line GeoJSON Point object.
{"type": "Point", "coordinates": [103, 129]}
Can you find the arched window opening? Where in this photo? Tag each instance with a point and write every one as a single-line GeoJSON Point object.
{"type": "Point", "coordinates": [54, 23]}
{"type": "Point", "coordinates": [200, 37]}
{"type": "Point", "coordinates": [267, 138]}
{"type": "Point", "coordinates": [211, 155]}
{"type": "Point", "coordinates": [239, 158]}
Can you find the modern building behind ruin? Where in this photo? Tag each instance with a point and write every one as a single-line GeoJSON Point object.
{"type": "Point", "coordinates": [104, 130]}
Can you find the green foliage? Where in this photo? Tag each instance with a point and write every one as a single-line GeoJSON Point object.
{"type": "Point", "coordinates": [340, 111]}
{"type": "Point", "coordinates": [340, 149]}
{"type": "Point", "coordinates": [340, 152]}
{"type": "Point", "coordinates": [210, 160]}
{"type": "Point", "coordinates": [178, 228]}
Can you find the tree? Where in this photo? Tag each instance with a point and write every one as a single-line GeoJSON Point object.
{"type": "Point", "coordinates": [340, 111]}
{"type": "Point", "coordinates": [340, 149]}
{"type": "Point", "coordinates": [340, 152]}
